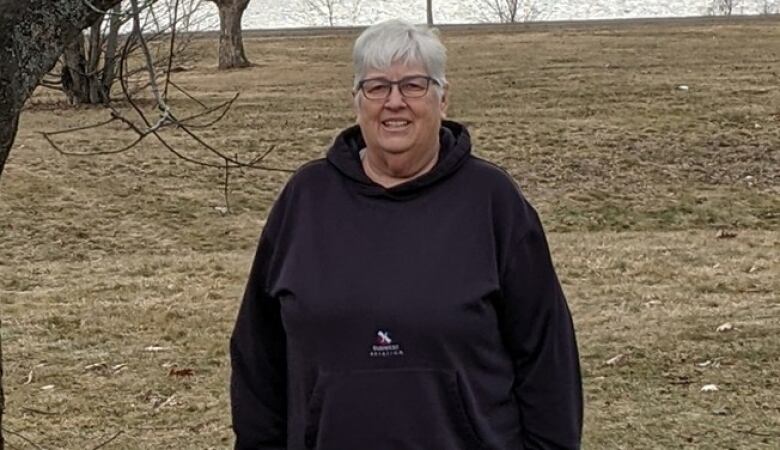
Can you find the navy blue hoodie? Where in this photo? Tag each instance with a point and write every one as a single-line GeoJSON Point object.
{"type": "Point", "coordinates": [425, 316]}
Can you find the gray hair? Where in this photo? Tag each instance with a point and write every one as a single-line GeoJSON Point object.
{"type": "Point", "coordinates": [385, 43]}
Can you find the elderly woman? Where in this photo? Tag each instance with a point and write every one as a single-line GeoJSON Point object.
{"type": "Point", "coordinates": [403, 296]}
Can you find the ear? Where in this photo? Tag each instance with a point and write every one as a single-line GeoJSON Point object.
{"type": "Point", "coordinates": [356, 103]}
{"type": "Point", "coordinates": [445, 101]}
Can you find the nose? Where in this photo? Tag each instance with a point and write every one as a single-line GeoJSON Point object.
{"type": "Point", "coordinates": [395, 100]}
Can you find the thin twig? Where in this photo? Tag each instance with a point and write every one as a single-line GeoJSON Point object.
{"type": "Point", "coordinates": [226, 105]}
{"type": "Point", "coordinates": [39, 411]}
{"type": "Point", "coordinates": [186, 93]}
{"type": "Point", "coordinates": [225, 157]}
{"type": "Point", "coordinates": [85, 127]}
{"type": "Point", "coordinates": [123, 80]}
{"type": "Point", "coordinates": [755, 433]}
{"type": "Point", "coordinates": [22, 437]}
{"type": "Point", "coordinates": [227, 184]}
{"type": "Point", "coordinates": [104, 443]}
{"type": "Point", "coordinates": [170, 49]}
{"type": "Point", "coordinates": [97, 153]}
{"type": "Point", "coordinates": [149, 62]}
{"type": "Point", "coordinates": [262, 157]}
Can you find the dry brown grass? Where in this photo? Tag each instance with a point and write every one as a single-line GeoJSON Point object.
{"type": "Point", "coordinates": [104, 257]}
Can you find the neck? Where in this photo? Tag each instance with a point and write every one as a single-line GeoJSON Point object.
{"type": "Point", "coordinates": [392, 169]}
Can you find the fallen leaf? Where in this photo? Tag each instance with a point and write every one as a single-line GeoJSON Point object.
{"type": "Point", "coordinates": [721, 411]}
{"type": "Point", "coordinates": [704, 364]}
{"type": "Point", "coordinates": [725, 327]}
{"type": "Point", "coordinates": [155, 348]}
{"type": "Point", "coordinates": [118, 367]}
{"type": "Point", "coordinates": [614, 360]}
{"type": "Point", "coordinates": [48, 387]}
{"type": "Point", "coordinates": [159, 403]}
{"type": "Point", "coordinates": [181, 373]}
{"type": "Point", "coordinates": [709, 388]}
{"type": "Point", "coordinates": [29, 378]}
{"type": "Point", "coordinates": [723, 234]}
{"type": "Point", "coordinates": [96, 366]}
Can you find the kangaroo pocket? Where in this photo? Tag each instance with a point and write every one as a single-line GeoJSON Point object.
{"type": "Point", "coordinates": [400, 409]}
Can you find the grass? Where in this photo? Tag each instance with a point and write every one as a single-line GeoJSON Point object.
{"type": "Point", "coordinates": [117, 269]}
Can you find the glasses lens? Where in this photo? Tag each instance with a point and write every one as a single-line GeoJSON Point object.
{"type": "Point", "coordinates": [376, 88]}
{"type": "Point", "coordinates": [414, 86]}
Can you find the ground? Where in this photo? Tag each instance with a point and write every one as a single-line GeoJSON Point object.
{"type": "Point", "coordinates": [121, 277]}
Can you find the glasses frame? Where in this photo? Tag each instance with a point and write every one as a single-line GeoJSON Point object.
{"type": "Point", "coordinates": [428, 81]}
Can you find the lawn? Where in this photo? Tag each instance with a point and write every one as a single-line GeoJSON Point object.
{"type": "Point", "coordinates": [121, 276]}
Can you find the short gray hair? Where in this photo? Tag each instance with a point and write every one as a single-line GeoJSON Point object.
{"type": "Point", "coordinates": [385, 43]}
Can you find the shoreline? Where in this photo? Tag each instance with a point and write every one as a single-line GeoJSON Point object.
{"type": "Point", "coordinates": [515, 27]}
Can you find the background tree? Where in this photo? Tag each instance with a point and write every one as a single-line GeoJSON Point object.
{"type": "Point", "coordinates": [231, 42]}
{"type": "Point", "coordinates": [429, 12]}
{"type": "Point", "coordinates": [88, 69]}
{"type": "Point", "coordinates": [769, 7]}
{"type": "Point", "coordinates": [332, 12]}
{"type": "Point", "coordinates": [511, 11]}
{"type": "Point", "coordinates": [723, 7]}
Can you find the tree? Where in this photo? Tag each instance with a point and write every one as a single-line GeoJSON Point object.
{"type": "Point", "coordinates": [511, 11]}
{"type": "Point", "coordinates": [429, 12]}
{"type": "Point", "coordinates": [33, 35]}
{"type": "Point", "coordinates": [769, 7]}
{"type": "Point", "coordinates": [88, 68]}
{"type": "Point", "coordinates": [231, 43]}
{"type": "Point", "coordinates": [334, 12]}
{"type": "Point", "coordinates": [723, 7]}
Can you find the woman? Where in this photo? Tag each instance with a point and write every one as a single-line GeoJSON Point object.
{"type": "Point", "coordinates": [403, 295]}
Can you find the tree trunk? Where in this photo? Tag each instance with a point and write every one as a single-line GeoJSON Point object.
{"type": "Point", "coordinates": [231, 44]}
{"type": "Point", "coordinates": [33, 34]}
{"type": "Point", "coordinates": [110, 55]}
{"type": "Point", "coordinates": [93, 74]}
{"type": "Point", "coordinates": [75, 83]}
{"type": "Point", "coordinates": [429, 12]}
{"type": "Point", "coordinates": [83, 80]}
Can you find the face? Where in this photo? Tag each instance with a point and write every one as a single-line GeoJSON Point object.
{"type": "Point", "coordinates": [398, 125]}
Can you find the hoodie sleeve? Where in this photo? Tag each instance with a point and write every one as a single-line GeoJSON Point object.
{"type": "Point", "coordinates": [258, 390]}
{"type": "Point", "coordinates": [539, 334]}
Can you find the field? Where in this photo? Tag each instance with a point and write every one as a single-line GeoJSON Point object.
{"type": "Point", "coordinates": [662, 207]}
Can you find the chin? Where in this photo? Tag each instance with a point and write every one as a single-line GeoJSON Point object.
{"type": "Point", "coordinates": [394, 149]}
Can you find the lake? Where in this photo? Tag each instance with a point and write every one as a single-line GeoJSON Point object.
{"type": "Point", "coordinates": [294, 13]}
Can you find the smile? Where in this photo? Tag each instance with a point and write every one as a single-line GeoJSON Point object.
{"type": "Point", "coordinates": [395, 124]}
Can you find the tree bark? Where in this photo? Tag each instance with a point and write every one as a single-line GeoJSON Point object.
{"type": "Point", "coordinates": [33, 34]}
{"type": "Point", "coordinates": [83, 80]}
{"type": "Point", "coordinates": [231, 43]}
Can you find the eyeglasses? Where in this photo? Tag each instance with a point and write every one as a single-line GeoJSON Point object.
{"type": "Point", "coordinates": [415, 86]}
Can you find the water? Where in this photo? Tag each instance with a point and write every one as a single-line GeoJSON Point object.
{"type": "Point", "coordinates": [294, 13]}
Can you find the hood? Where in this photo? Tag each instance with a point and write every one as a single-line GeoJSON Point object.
{"type": "Point", "coordinates": [344, 155]}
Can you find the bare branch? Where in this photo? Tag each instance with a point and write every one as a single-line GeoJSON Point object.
{"type": "Point", "coordinates": [144, 125]}
{"type": "Point", "coordinates": [227, 185]}
{"type": "Point", "coordinates": [176, 86]}
{"type": "Point", "coordinates": [149, 62]}
{"type": "Point", "coordinates": [171, 46]}
{"type": "Point", "coordinates": [86, 127]}
{"type": "Point", "coordinates": [226, 105]}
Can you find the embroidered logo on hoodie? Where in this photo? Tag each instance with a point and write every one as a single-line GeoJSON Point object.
{"type": "Point", "coordinates": [384, 346]}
